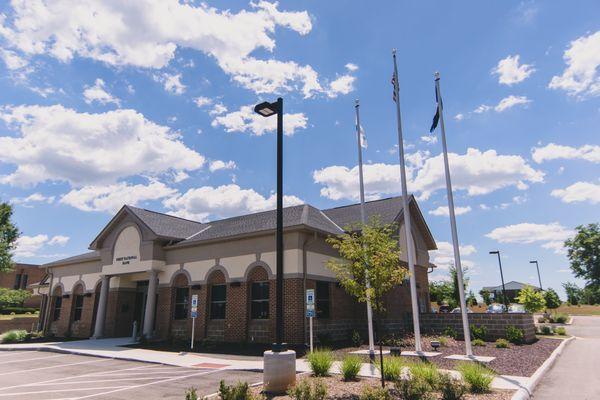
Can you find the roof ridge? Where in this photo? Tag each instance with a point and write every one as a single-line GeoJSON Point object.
{"type": "Point", "coordinates": [330, 220]}
{"type": "Point", "coordinates": [356, 204]}
{"type": "Point", "coordinates": [164, 214]}
{"type": "Point", "coordinates": [255, 213]}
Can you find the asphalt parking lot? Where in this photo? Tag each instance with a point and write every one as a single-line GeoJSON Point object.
{"type": "Point", "coordinates": [45, 375]}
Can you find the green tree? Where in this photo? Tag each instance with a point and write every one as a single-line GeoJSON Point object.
{"type": "Point", "coordinates": [441, 291]}
{"type": "Point", "coordinates": [532, 300]}
{"type": "Point", "coordinates": [590, 294]}
{"type": "Point", "coordinates": [471, 299]}
{"type": "Point", "coordinates": [372, 250]}
{"type": "Point", "coordinates": [486, 296]}
{"type": "Point", "coordinates": [552, 299]}
{"type": "Point", "coordinates": [454, 277]}
{"type": "Point", "coordinates": [573, 293]}
{"type": "Point", "coordinates": [8, 236]}
{"type": "Point", "coordinates": [10, 297]}
{"type": "Point", "coordinates": [583, 251]}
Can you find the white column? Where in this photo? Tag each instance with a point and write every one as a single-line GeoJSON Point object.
{"type": "Point", "coordinates": [150, 305]}
{"type": "Point", "coordinates": [101, 313]}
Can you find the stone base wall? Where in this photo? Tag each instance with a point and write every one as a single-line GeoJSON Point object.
{"type": "Point", "coordinates": [496, 324]}
{"type": "Point", "coordinates": [25, 323]}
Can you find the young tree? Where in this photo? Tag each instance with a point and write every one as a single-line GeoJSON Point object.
{"type": "Point", "coordinates": [454, 277]}
{"type": "Point", "coordinates": [441, 291]}
{"type": "Point", "coordinates": [8, 236]}
{"type": "Point", "coordinates": [532, 300]}
{"type": "Point", "coordinates": [471, 299]}
{"type": "Point", "coordinates": [373, 251]}
{"type": "Point", "coordinates": [583, 251]}
{"type": "Point", "coordinates": [573, 293]}
{"type": "Point", "coordinates": [552, 299]}
{"type": "Point", "coordinates": [486, 296]}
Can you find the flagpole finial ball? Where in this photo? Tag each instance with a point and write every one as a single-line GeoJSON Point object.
{"type": "Point", "coordinates": [356, 102]}
{"type": "Point", "coordinates": [437, 75]}
{"type": "Point", "coordinates": [394, 51]}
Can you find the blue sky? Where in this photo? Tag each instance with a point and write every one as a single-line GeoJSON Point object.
{"type": "Point", "coordinates": [102, 104]}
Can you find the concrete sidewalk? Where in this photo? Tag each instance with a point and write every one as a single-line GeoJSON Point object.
{"type": "Point", "coordinates": [113, 348]}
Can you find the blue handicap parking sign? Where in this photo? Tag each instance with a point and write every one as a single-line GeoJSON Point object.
{"type": "Point", "coordinates": [194, 314]}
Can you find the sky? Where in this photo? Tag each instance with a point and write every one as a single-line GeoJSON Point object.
{"type": "Point", "coordinates": [149, 103]}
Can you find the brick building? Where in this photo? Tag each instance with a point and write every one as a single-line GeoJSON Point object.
{"type": "Point", "coordinates": [145, 266]}
{"type": "Point", "coordinates": [21, 277]}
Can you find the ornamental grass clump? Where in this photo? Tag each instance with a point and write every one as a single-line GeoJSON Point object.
{"type": "Point", "coordinates": [16, 335]}
{"type": "Point", "coordinates": [560, 331]}
{"type": "Point", "coordinates": [427, 371]}
{"type": "Point", "coordinates": [477, 376]}
{"type": "Point", "coordinates": [320, 362]}
{"type": "Point", "coordinates": [305, 391]}
{"type": "Point", "coordinates": [351, 367]}
{"type": "Point", "coordinates": [478, 342]}
{"type": "Point", "coordinates": [375, 393]}
{"type": "Point", "coordinates": [502, 344]}
{"type": "Point", "coordinates": [392, 368]}
{"type": "Point", "coordinates": [239, 391]}
{"type": "Point", "coordinates": [414, 388]}
{"type": "Point", "coordinates": [546, 330]}
{"type": "Point", "coordinates": [451, 388]}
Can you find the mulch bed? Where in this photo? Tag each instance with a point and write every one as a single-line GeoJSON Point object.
{"type": "Point", "coordinates": [341, 390]}
{"type": "Point", "coordinates": [517, 360]}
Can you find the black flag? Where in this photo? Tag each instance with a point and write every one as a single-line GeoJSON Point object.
{"type": "Point", "coordinates": [436, 117]}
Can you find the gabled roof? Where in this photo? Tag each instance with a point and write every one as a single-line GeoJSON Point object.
{"type": "Point", "coordinates": [512, 285]}
{"type": "Point", "coordinates": [90, 256]}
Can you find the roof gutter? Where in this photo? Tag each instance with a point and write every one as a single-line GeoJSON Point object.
{"type": "Point", "coordinates": [48, 302]}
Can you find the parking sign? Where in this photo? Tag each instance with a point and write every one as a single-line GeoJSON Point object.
{"type": "Point", "coordinates": [310, 297]}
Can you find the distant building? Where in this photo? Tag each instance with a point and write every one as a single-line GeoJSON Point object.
{"type": "Point", "coordinates": [512, 290]}
{"type": "Point", "coordinates": [21, 277]}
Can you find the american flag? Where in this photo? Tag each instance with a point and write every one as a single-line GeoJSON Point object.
{"type": "Point", "coordinates": [394, 84]}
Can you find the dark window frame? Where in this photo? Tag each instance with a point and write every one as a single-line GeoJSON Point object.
{"type": "Point", "coordinates": [182, 300]}
{"type": "Point", "coordinates": [24, 279]}
{"type": "Point", "coordinates": [260, 300]}
{"type": "Point", "coordinates": [17, 284]}
{"type": "Point", "coordinates": [78, 307]}
{"type": "Point", "coordinates": [56, 308]}
{"type": "Point", "coordinates": [218, 304]}
{"type": "Point", "coordinates": [323, 300]}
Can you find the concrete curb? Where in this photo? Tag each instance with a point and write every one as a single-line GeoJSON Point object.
{"type": "Point", "coordinates": [526, 391]}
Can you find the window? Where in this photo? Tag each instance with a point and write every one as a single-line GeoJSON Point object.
{"type": "Point", "coordinates": [17, 284]}
{"type": "Point", "coordinates": [57, 306]}
{"type": "Point", "coordinates": [259, 304]}
{"type": "Point", "coordinates": [181, 302]}
{"type": "Point", "coordinates": [322, 299]}
{"type": "Point", "coordinates": [78, 307]}
{"type": "Point", "coordinates": [24, 281]}
{"type": "Point", "coordinates": [218, 299]}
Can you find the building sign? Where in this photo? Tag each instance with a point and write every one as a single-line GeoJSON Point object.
{"type": "Point", "coordinates": [125, 260]}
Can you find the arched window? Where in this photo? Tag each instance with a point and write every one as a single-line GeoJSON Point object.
{"type": "Point", "coordinates": [259, 293]}
{"type": "Point", "coordinates": [182, 297]}
{"type": "Point", "coordinates": [57, 304]}
{"type": "Point", "coordinates": [218, 295]}
{"type": "Point", "coordinates": [78, 297]}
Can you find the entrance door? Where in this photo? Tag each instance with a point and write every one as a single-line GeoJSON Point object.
{"type": "Point", "coordinates": [140, 304]}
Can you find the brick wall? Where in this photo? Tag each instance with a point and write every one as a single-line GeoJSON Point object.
{"type": "Point", "coordinates": [17, 323]}
{"type": "Point", "coordinates": [34, 275]}
{"type": "Point", "coordinates": [496, 324]}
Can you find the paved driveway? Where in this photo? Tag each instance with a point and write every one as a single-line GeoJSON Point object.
{"type": "Point", "coordinates": [45, 375]}
{"type": "Point", "coordinates": [575, 374]}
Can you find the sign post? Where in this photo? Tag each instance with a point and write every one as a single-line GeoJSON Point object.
{"type": "Point", "coordinates": [194, 315]}
{"type": "Point", "coordinates": [310, 313]}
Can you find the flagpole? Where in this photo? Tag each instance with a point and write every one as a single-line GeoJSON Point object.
{"type": "Point", "coordinates": [363, 221]}
{"type": "Point", "coordinates": [406, 211]}
{"type": "Point", "coordinates": [459, 271]}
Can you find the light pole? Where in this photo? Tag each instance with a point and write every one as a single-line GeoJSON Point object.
{"type": "Point", "coordinates": [267, 109]}
{"type": "Point", "coordinates": [501, 277]}
{"type": "Point", "coordinates": [538, 271]}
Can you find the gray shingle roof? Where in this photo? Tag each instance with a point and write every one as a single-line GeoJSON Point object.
{"type": "Point", "coordinates": [90, 256]}
{"type": "Point", "coordinates": [386, 210]}
{"type": "Point", "coordinates": [165, 225]}
{"type": "Point", "coordinates": [512, 285]}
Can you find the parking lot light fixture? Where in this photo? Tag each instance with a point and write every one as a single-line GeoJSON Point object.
{"type": "Point", "coordinates": [538, 271]}
{"type": "Point", "coordinates": [497, 252]}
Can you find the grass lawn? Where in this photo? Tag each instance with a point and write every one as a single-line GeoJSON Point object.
{"type": "Point", "coordinates": [9, 317]}
{"type": "Point", "coordinates": [579, 310]}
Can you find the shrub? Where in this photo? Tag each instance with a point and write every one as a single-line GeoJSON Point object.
{"type": "Point", "coordinates": [514, 334]}
{"type": "Point", "coordinates": [502, 344]}
{"type": "Point", "coordinates": [320, 362]}
{"type": "Point", "coordinates": [478, 377]}
{"type": "Point", "coordinates": [16, 335]}
{"type": "Point", "coordinates": [443, 341]}
{"type": "Point", "coordinates": [560, 331]}
{"type": "Point", "coordinates": [532, 300]}
{"type": "Point", "coordinates": [478, 332]}
{"type": "Point", "coordinates": [478, 342]}
{"type": "Point", "coordinates": [426, 371]}
{"type": "Point", "coordinates": [351, 367]}
{"type": "Point", "coordinates": [552, 299]}
{"type": "Point", "coordinates": [451, 388]}
{"type": "Point", "coordinates": [546, 330]}
{"type": "Point", "coordinates": [375, 393]}
{"type": "Point", "coordinates": [191, 394]}
{"type": "Point", "coordinates": [450, 332]}
{"type": "Point", "coordinates": [559, 318]}
{"type": "Point", "coordinates": [239, 391]}
{"type": "Point", "coordinates": [414, 388]}
{"type": "Point", "coordinates": [305, 391]}
{"type": "Point", "coordinates": [541, 320]}
{"type": "Point", "coordinates": [356, 339]}
{"type": "Point", "coordinates": [392, 368]}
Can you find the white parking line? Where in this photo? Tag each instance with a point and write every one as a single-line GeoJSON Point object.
{"type": "Point", "coordinates": [12, 353]}
{"type": "Point", "coordinates": [34, 359]}
{"type": "Point", "coordinates": [100, 381]}
{"type": "Point", "coordinates": [143, 373]}
{"type": "Point", "coordinates": [53, 366]}
{"type": "Point", "coordinates": [62, 390]}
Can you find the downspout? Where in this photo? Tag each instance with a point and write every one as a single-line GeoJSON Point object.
{"type": "Point", "coordinates": [48, 301]}
{"type": "Point", "coordinates": [306, 243]}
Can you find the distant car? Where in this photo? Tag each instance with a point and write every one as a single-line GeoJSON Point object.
{"type": "Point", "coordinates": [496, 308]}
{"type": "Point", "coordinates": [457, 310]}
{"type": "Point", "coordinates": [516, 309]}
{"type": "Point", "coordinates": [444, 308]}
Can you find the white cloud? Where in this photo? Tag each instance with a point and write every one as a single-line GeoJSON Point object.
{"type": "Point", "coordinates": [476, 172]}
{"type": "Point", "coordinates": [582, 76]}
{"type": "Point", "coordinates": [29, 246]}
{"type": "Point", "coordinates": [32, 198]}
{"type": "Point", "coordinates": [54, 143]}
{"type": "Point", "coordinates": [351, 67]}
{"type": "Point", "coordinates": [202, 101]}
{"type": "Point", "coordinates": [482, 108]}
{"type": "Point", "coordinates": [12, 60]}
{"type": "Point", "coordinates": [342, 85]}
{"type": "Point", "coordinates": [429, 139]}
{"type": "Point", "coordinates": [98, 93]}
{"type": "Point", "coordinates": [510, 72]}
{"type": "Point", "coordinates": [554, 151]}
{"type": "Point", "coordinates": [246, 120]}
{"type": "Point", "coordinates": [579, 192]}
{"type": "Point", "coordinates": [42, 91]}
{"type": "Point", "coordinates": [445, 211]}
{"type": "Point", "coordinates": [171, 82]}
{"type": "Point", "coordinates": [511, 101]}
{"type": "Point", "coordinates": [111, 198]}
{"type": "Point", "coordinates": [147, 34]}
{"type": "Point", "coordinates": [443, 257]}
{"type": "Point", "coordinates": [221, 202]}
{"type": "Point", "coordinates": [218, 109]}
{"type": "Point", "coordinates": [217, 165]}
{"type": "Point", "coordinates": [459, 117]}
{"type": "Point", "coordinates": [550, 236]}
